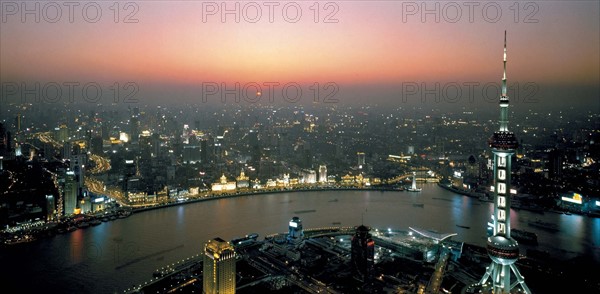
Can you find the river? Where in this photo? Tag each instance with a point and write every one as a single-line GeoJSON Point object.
{"type": "Point", "coordinates": [116, 255]}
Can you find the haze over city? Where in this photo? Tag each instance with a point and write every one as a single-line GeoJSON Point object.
{"type": "Point", "coordinates": [368, 48]}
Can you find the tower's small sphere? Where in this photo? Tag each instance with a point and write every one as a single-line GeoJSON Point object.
{"type": "Point", "coordinates": [503, 250]}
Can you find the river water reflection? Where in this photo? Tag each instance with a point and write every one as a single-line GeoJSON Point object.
{"type": "Point", "coordinates": [116, 255]}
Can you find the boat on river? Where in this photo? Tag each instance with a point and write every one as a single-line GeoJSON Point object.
{"type": "Point", "coordinates": [544, 225]}
{"type": "Point", "coordinates": [524, 237]}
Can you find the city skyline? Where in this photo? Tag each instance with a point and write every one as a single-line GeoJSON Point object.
{"type": "Point", "coordinates": [300, 147]}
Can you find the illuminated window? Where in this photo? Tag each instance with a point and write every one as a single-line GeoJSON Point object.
{"type": "Point", "coordinates": [501, 161]}
{"type": "Point", "coordinates": [501, 188]}
{"type": "Point", "coordinates": [501, 228]}
{"type": "Point", "coordinates": [501, 201]}
{"type": "Point", "coordinates": [501, 215]}
{"type": "Point", "coordinates": [501, 174]}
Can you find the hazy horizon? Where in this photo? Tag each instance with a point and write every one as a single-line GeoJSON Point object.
{"type": "Point", "coordinates": [376, 51]}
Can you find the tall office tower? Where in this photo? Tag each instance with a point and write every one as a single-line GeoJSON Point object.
{"type": "Point", "coordinates": [9, 143]}
{"type": "Point", "coordinates": [185, 135]}
{"type": "Point", "coordinates": [134, 129]}
{"type": "Point", "coordinates": [204, 151]}
{"type": "Point", "coordinates": [254, 145]}
{"type": "Point", "coordinates": [363, 253]}
{"type": "Point", "coordinates": [50, 207]}
{"type": "Point", "coordinates": [219, 267]}
{"type": "Point", "coordinates": [18, 130]}
{"type": "Point", "coordinates": [69, 194]}
{"type": "Point", "coordinates": [97, 145]}
{"type": "Point", "coordinates": [502, 249]}
{"type": "Point", "coordinates": [361, 159]}
{"type": "Point", "coordinates": [3, 140]}
{"type": "Point", "coordinates": [18, 122]}
{"type": "Point", "coordinates": [78, 163]}
{"type": "Point", "coordinates": [61, 134]}
{"type": "Point", "coordinates": [322, 174]}
{"type": "Point", "coordinates": [295, 232]}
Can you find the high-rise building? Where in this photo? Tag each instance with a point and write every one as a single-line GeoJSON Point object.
{"type": "Point", "coordinates": [67, 150]}
{"type": "Point", "coordinates": [254, 145]}
{"type": "Point", "coordinates": [322, 174]}
{"type": "Point", "coordinates": [134, 122]}
{"type": "Point", "coordinates": [97, 145]}
{"type": "Point", "coordinates": [502, 249]}
{"type": "Point", "coordinates": [50, 207]}
{"type": "Point", "coordinates": [295, 231]}
{"type": "Point", "coordinates": [70, 190]}
{"type": "Point", "coordinates": [3, 140]}
{"type": "Point", "coordinates": [18, 122]}
{"type": "Point", "coordinates": [361, 159]}
{"type": "Point", "coordinates": [78, 163]}
{"type": "Point", "coordinates": [555, 163]}
{"type": "Point", "coordinates": [192, 154]}
{"type": "Point", "coordinates": [9, 143]}
{"type": "Point", "coordinates": [155, 145]}
{"type": "Point", "coordinates": [309, 176]}
{"type": "Point", "coordinates": [204, 151]}
{"type": "Point", "coordinates": [363, 253]}
{"type": "Point", "coordinates": [61, 134]}
{"type": "Point", "coordinates": [219, 267]}
{"type": "Point", "coordinates": [185, 135]}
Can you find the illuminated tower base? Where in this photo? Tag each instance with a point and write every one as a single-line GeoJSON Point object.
{"type": "Point", "coordinates": [504, 253]}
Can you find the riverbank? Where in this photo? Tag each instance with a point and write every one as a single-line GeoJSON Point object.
{"type": "Point", "coordinates": [263, 192]}
{"type": "Point", "coordinates": [533, 208]}
{"type": "Point", "coordinates": [37, 231]}
{"type": "Point", "coordinates": [115, 255]}
{"type": "Point", "coordinates": [51, 229]}
{"type": "Point", "coordinates": [479, 195]}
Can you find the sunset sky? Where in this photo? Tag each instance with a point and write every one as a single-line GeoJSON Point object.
{"type": "Point", "coordinates": [371, 44]}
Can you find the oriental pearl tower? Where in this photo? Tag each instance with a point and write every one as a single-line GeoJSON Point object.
{"type": "Point", "coordinates": [502, 249]}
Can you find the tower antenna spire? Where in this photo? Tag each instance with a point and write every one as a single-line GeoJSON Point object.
{"type": "Point", "coordinates": [504, 74]}
{"type": "Point", "coordinates": [504, 97]}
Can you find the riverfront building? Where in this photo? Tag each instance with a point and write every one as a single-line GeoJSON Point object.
{"type": "Point", "coordinates": [219, 267]}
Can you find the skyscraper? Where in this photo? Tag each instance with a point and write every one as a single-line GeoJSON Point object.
{"type": "Point", "coordinates": [361, 159]}
{"type": "Point", "coordinates": [502, 249]}
{"type": "Point", "coordinates": [134, 122]}
{"type": "Point", "coordinates": [50, 207]}
{"type": "Point", "coordinates": [363, 253]}
{"type": "Point", "coordinates": [219, 267]}
{"type": "Point", "coordinates": [69, 193]}
{"type": "Point", "coordinates": [295, 232]}
{"type": "Point", "coordinates": [322, 174]}
{"type": "Point", "coordinates": [3, 140]}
